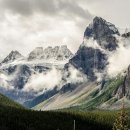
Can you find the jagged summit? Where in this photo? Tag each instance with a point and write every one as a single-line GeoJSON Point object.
{"type": "Point", "coordinates": [13, 55]}
{"type": "Point", "coordinates": [100, 28]}
{"type": "Point", "coordinates": [103, 32]}
{"type": "Point", "coordinates": [49, 55]}
{"type": "Point", "coordinates": [57, 53]}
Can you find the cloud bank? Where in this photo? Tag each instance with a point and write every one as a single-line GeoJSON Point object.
{"type": "Point", "coordinates": [44, 81]}
{"type": "Point", "coordinates": [32, 23]}
{"type": "Point", "coordinates": [120, 59]}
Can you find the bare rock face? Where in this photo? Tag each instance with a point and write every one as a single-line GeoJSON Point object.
{"type": "Point", "coordinates": [87, 62]}
{"type": "Point", "coordinates": [126, 35]}
{"type": "Point", "coordinates": [124, 89]}
{"type": "Point", "coordinates": [126, 85]}
{"type": "Point", "coordinates": [103, 32]}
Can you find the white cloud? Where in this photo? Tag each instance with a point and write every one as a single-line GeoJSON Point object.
{"type": "Point", "coordinates": [18, 32]}
{"type": "Point", "coordinates": [28, 24]}
{"type": "Point", "coordinates": [44, 81]}
{"type": "Point", "coordinates": [120, 59]}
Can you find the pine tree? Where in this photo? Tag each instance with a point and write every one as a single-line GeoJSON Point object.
{"type": "Point", "coordinates": [121, 122]}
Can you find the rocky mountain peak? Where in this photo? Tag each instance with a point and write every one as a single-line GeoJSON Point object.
{"type": "Point", "coordinates": [103, 32]}
{"type": "Point", "coordinates": [100, 28]}
{"type": "Point", "coordinates": [13, 55]}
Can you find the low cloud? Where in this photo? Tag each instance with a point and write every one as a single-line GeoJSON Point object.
{"type": "Point", "coordinates": [120, 59]}
{"type": "Point", "coordinates": [4, 82]}
{"type": "Point", "coordinates": [44, 81]}
{"type": "Point", "coordinates": [73, 75]}
{"type": "Point", "coordinates": [53, 78]}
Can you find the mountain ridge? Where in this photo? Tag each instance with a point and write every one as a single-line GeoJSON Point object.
{"type": "Point", "coordinates": [93, 61]}
{"type": "Point", "coordinates": [84, 77]}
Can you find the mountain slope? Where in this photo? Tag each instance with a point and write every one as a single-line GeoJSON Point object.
{"type": "Point", "coordinates": [6, 102]}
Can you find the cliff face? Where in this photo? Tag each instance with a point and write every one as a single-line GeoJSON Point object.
{"type": "Point", "coordinates": [87, 61]}
{"type": "Point", "coordinates": [126, 85]}
{"type": "Point", "coordinates": [89, 58]}
{"type": "Point", "coordinates": [124, 89]}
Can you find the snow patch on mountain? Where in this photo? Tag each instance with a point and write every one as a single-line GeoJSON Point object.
{"type": "Point", "coordinates": [119, 60]}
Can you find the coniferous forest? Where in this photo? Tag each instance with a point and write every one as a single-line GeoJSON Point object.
{"type": "Point", "coordinates": [15, 117]}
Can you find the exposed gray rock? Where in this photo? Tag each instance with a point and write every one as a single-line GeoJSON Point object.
{"type": "Point", "coordinates": [88, 60]}
{"type": "Point", "coordinates": [126, 35]}
{"type": "Point", "coordinates": [103, 32]}
{"type": "Point", "coordinates": [126, 85]}
{"type": "Point", "coordinates": [124, 88]}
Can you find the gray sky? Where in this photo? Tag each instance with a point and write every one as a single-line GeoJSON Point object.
{"type": "Point", "coordinates": [26, 24]}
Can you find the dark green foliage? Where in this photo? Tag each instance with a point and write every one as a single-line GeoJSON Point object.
{"type": "Point", "coordinates": [122, 122]}
{"type": "Point", "coordinates": [21, 119]}
{"type": "Point", "coordinates": [14, 117]}
{"type": "Point", "coordinates": [4, 101]}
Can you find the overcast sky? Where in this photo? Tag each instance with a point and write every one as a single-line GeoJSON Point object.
{"type": "Point", "coordinates": [26, 24]}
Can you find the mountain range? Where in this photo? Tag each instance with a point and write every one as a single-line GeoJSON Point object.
{"type": "Point", "coordinates": [54, 78]}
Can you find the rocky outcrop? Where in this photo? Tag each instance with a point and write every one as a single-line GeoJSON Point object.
{"type": "Point", "coordinates": [126, 85]}
{"type": "Point", "coordinates": [124, 88]}
{"type": "Point", "coordinates": [126, 35]}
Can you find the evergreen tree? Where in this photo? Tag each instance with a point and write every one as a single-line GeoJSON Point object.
{"type": "Point", "coordinates": [121, 122]}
